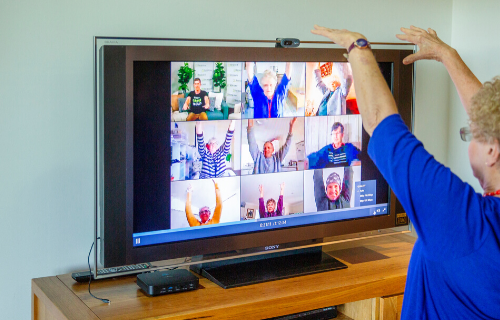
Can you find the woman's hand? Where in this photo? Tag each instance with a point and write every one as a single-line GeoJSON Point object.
{"type": "Point", "coordinates": [342, 37]}
{"type": "Point", "coordinates": [199, 127]}
{"type": "Point", "coordinates": [429, 44]}
{"type": "Point", "coordinates": [292, 122]}
{"type": "Point", "coordinates": [216, 185]}
{"type": "Point", "coordinates": [232, 124]}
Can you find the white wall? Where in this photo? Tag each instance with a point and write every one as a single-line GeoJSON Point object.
{"type": "Point", "coordinates": [46, 103]}
{"type": "Point", "coordinates": [475, 34]}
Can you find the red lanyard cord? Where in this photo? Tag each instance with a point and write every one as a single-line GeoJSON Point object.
{"type": "Point", "coordinates": [269, 105]}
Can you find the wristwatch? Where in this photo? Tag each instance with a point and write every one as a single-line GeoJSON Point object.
{"type": "Point", "coordinates": [360, 43]}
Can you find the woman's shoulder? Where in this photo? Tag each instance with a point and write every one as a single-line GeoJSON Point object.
{"type": "Point", "coordinates": [491, 210]}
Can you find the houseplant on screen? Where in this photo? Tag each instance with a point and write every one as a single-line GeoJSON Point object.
{"type": "Point", "coordinates": [219, 77]}
{"type": "Point", "coordinates": [185, 74]}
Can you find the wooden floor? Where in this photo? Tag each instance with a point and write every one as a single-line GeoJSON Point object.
{"type": "Point", "coordinates": [373, 286]}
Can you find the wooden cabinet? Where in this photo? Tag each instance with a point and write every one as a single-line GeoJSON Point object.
{"type": "Point", "coordinates": [390, 307]}
{"type": "Point", "coordinates": [383, 308]}
{"type": "Point", "coordinates": [367, 289]}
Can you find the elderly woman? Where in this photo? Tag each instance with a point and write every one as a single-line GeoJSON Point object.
{"type": "Point", "coordinates": [204, 212]}
{"type": "Point", "coordinates": [334, 86]}
{"type": "Point", "coordinates": [454, 272]}
{"type": "Point", "coordinates": [268, 96]}
{"type": "Point", "coordinates": [212, 155]}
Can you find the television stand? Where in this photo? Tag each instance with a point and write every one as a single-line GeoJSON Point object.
{"type": "Point", "coordinates": [267, 267]}
{"type": "Point", "coordinates": [366, 290]}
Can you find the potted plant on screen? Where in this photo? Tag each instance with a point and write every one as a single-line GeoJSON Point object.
{"type": "Point", "coordinates": [185, 74]}
{"type": "Point", "coordinates": [219, 77]}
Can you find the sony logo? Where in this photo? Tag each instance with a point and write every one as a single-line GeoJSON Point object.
{"type": "Point", "coordinates": [272, 247]}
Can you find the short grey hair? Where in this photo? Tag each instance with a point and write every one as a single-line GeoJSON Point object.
{"type": "Point", "coordinates": [270, 141]}
{"type": "Point", "coordinates": [212, 140]}
{"type": "Point", "coordinates": [269, 74]}
{"type": "Point", "coordinates": [205, 207]}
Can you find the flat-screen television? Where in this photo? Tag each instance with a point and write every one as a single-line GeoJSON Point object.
{"type": "Point", "coordinates": [206, 148]}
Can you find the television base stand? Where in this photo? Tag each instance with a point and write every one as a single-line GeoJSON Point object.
{"type": "Point", "coordinates": [267, 267]}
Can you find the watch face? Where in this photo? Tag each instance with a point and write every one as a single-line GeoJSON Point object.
{"type": "Point", "coordinates": [361, 43]}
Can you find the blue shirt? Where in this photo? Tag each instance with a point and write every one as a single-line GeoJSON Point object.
{"type": "Point", "coordinates": [454, 271]}
{"type": "Point", "coordinates": [328, 156]}
{"type": "Point", "coordinates": [261, 103]}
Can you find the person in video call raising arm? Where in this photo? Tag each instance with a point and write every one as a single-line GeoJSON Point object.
{"type": "Point", "coordinates": [454, 268]}
{"type": "Point", "coordinates": [334, 87]}
{"type": "Point", "coordinates": [269, 96]}
{"type": "Point", "coordinates": [267, 161]}
{"type": "Point", "coordinates": [336, 194]}
{"type": "Point", "coordinates": [213, 157]}
{"type": "Point", "coordinates": [204, 211]}
{"type": "Point", "coordinates": [270, 209]}
{"type": "Point", "coordinates": [336, 154]}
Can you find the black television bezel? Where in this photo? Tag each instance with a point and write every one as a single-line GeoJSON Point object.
{"type": "Point", "coordinates": [117, 171]}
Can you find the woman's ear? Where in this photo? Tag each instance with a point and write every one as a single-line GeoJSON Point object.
{"type": "Point", "coordinates": [493, 152]}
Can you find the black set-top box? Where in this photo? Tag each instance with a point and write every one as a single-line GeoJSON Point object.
{"type": "Point", "coordinates": [165, 282]}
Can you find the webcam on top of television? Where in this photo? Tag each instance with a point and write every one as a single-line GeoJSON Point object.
{"type": "Point", "coordinates": [287, 43]}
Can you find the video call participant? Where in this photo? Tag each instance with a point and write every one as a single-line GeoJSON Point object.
{"type": "Point", "coordinates": [268, 97]}
{"type": "Point", "coordinates": [213, 157]}
{"type": "Point", "coordinates": [268, 210]}
{"type": "Point", "coordinates": [336, 194]}
{"type": "Point", "coordinates": [330, 80]}
{"type": "Point", "coordinates": [267, 161]}
{"type": "Point", "coordinates": [336, 154]}
{"type": "Point", "coordinates": [197, 102]}
{"type": "Point", "coordinates": [204, 211]}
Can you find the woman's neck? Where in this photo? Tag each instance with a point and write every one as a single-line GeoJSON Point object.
{"type": "Point", "coordinates": [491, 183]}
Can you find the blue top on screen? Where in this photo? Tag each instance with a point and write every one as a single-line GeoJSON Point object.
{"type": "Point", "coordinates": [269, 108]}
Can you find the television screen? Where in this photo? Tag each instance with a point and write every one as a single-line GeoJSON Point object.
{"type": "Point", "coordinates": [212, 149]}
